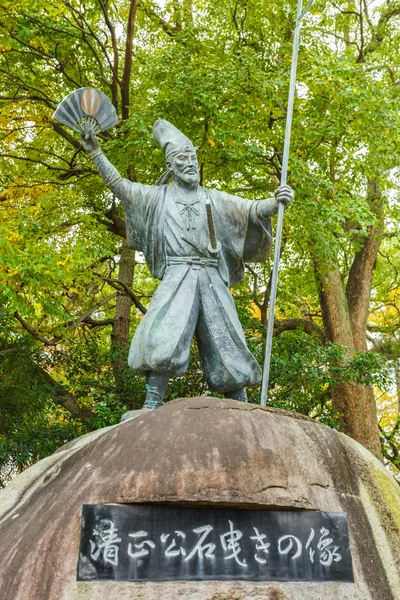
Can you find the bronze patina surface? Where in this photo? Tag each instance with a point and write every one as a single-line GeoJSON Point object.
{"type": "Point", "coordinates": [196, 241]}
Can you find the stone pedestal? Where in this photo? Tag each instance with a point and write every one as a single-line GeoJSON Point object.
{"type": "Point", "coordinates": [205, 451]}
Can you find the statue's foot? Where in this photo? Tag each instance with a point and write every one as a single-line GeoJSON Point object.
{"type": "Point", "coordinates": [155, 393]}
{"type": "Point", "coordinates": [152, 404]}
{"type": "Point", "coordinates": [238, 394]}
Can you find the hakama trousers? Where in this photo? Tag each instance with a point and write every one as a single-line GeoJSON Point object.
{"type": "Point", "coordinates": [194, 300]}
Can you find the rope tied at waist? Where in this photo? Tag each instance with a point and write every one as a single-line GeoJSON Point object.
{"type": "Point", "coordinates": [196, 261]}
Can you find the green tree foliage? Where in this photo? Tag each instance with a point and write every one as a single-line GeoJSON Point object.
{"type": "Point", "coordinates": [72, 293]}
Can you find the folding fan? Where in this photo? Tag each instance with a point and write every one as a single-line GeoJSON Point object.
{"type": "Point", "coordinates": [86, 110]}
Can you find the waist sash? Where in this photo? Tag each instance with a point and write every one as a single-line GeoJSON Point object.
{"type": "Point", "coordinates": [195, 261]}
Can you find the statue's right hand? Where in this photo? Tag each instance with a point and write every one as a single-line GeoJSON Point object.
{"type": "Point", "coordinates": [90, 142]}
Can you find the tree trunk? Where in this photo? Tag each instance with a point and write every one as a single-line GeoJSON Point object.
{"type": "Point", "coordinates": [122, 321]}
{"type": "Point", "coordinates": [356, 404]}
{"type": "Point", "coordinates": [121, 325]}
{"type": "Point", "coordinates": [345, 319]}
{"type": "Point", "coordinates": [359, 285]}
{"type": "Point", "coordinates": [334, 308]}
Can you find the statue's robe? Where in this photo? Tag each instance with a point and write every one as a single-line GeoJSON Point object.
{"type": "Point", "coordinates": [191, 299]}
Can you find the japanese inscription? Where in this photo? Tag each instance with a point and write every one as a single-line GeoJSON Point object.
{"type": "Point", "coordinates": [164, 543]}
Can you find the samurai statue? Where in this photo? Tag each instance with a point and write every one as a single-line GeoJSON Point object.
{"type": "Point", "coordinates": [196, 241]}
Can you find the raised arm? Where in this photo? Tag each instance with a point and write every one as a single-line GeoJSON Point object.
{"type": "Point", "coordinates": [122, 188]}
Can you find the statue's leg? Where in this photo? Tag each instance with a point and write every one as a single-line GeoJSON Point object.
{"type": "Point", "coordinates": [156, 386]}
{"type": "Point", "coordinates": [228, 364]}
{"type": "Point", "coordinates": [238, 394]}
{"type": "Point", "coordinates": [161, 344]}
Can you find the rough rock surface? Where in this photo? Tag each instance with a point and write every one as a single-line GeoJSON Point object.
{"type": "Point", "coordinates": [200, 450]}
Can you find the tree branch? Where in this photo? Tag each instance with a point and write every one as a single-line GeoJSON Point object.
{"type": "Point", "coordinates": [80, 24]}
{"type": "Point", "coordinates": [117, 224]}
{"type": "Point", "coordinates": [96, 323]}
{"type": "Point", "coordinates": [126, 77]}
{"type": "Point", "coordinates": [63, 396]}
{"type": "Point", "coordinates": [69, 326]}
{"type": "Point", "coordinates": [392, 10]}
{"type": "Point", "coordinates": [46, 341]}
{"type": "Point", "coordinates": [20, 83]}
{"type": "Point", "coordinates": [10, 349]}
{"type": "Point", "coordinates": [306, 325]}
{"type": "Point", "coordinates": [91, 310]}
{"type": "Point", "coordinates": [255, 286]}
{"type": "Point", "coordinates": [33, 160]}
{"type": "Point", "coordinates": [120, 285]}
{"type": "Point", "coordinates": [169, 29]}
{"type": "Point", "coordinates": [58, 128]}
{"type": "Point", "coordinates": [115, 68]}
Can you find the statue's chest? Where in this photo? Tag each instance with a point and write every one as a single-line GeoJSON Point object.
{"type": "Point", "coordinates": [186, 213]}
{"type": "Point", "coordinates": [186, 228]}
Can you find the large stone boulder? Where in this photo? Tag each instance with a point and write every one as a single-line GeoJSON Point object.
{"type": "Point", "coordinates": [200, 450]}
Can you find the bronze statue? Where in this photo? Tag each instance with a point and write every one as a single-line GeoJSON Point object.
{"type": "Point", "coordinates": [196, 241]}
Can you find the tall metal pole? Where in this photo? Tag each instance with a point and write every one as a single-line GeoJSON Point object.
{"type": "Point", "coordinates": [281, 206]}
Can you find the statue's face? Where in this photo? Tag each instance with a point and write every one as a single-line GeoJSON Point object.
{"type": "Point", "coordinates": [185, 167]}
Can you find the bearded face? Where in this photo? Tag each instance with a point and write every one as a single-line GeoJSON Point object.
{"type": "Point", "coordinates": [185, 167]}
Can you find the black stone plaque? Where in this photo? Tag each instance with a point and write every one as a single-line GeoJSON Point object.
{"type": "Point", "coordinates": [125, 542]}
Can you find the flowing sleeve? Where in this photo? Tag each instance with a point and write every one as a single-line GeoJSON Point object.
{"type": "Point", "coordinates": [245, 236]}
{"type": "Point", "coordinates": [259, 231]}
{"type": "Point", "coordinates": [248, 225]}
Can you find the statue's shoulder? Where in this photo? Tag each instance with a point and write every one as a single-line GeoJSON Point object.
{"type": "Point", "coordinates": [150, 192]}
{"type": "Point", "coordinates": [153, 195]}
{"type": "Point", "coordinates": [221, 195]}
{"type": "Point", "coordinates": [215, 194]}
